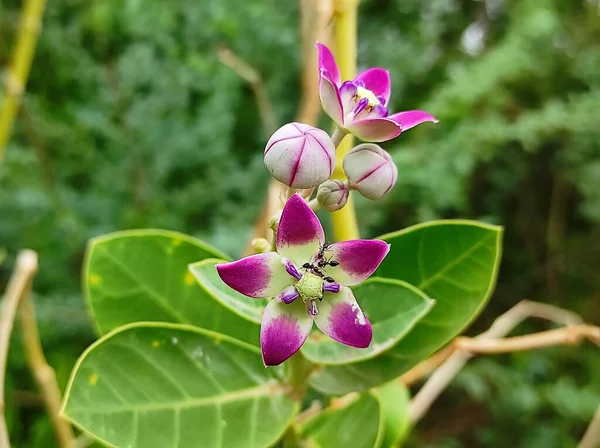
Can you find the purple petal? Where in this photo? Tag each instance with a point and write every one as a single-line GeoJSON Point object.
{"type": "Point", "coordinates": [300, 233]}
{"type": "Point", "coordinates": [331, 287]}
{"type": "Point", "coordinates": [256, 276]}
{"type": "Point", "coordinates": [291, 268]}
{"type": "Point", "coordinates": [411, 118]}
{"type": "Point", "coordinates": [357, 259]}
{"type": "Point", "coordinates": [341, 319]}
{"type": "Point", "coordinates": [375, 129]}
{"type": "Point", "coordinates": [330, 99]}
{"type": "Point", "coordinates": [327, 63]}
{"type": "Point", "coordinates": [377, 80]}
{"type": "Point", "coordinates": [347, 93]}
{"type": "Point", "coordinates": [379, 111]}
{"type": "Point", "coordinates": [288, 295]}
{"type": "Point", "coordinates": [283, 331]}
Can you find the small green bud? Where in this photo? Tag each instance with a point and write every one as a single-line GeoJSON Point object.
{"type": "Point", "coordinates": [332, 195]}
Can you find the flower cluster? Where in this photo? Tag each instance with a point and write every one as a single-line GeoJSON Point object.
{"type": "Point", "coordinates": [307, 278]}
{"type": "Point", "coordinates": [301, 156]}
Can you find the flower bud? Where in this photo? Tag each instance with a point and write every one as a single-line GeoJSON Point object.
{"type": "Point", "coordinates": [260, 245]}
{"type": "Point", "coordinates": [370, 170]}
{"type": "Point", "coordinates": [332, 195]}
{"type": "Point", "coordinates": [300, 156]}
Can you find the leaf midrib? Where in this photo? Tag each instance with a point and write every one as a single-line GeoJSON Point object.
{"type": "Point", "coordinates": [264, 390]}
{"type": "Point", "coordinates": [426, 282]}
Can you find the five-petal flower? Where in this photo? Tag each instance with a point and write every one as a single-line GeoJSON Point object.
{"type": "Point", "coordinates": [360, 106]}
{"type": "Point", "coordinates": [309, 280]}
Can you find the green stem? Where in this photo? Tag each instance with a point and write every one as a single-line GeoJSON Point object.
{"type": "Point", "coordinates": [298, 369]}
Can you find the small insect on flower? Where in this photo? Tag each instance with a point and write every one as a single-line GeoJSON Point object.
{"type": "Point", "coordinates": [309, 280]}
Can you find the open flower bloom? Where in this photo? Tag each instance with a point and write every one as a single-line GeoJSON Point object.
{"type": "Point", "coordinates": [308, 279]}
{"type": "Point", "coordinates": [360, 106]}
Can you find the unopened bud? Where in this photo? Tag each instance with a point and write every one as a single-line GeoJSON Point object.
{"type": "Point", "coordinates": [260, 245]}
{"type": "Point", "coordinates": [300, 156]}
{"type": "Point", "coordinates": [370, 170]}
{"type": "Point", "coordinates": [332, 195]}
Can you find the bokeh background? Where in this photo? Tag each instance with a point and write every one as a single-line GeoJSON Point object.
{"type": "Point", "coordinates": [131, 120]}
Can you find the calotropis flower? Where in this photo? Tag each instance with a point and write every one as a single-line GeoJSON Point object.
{"type": "Point", "coordinates": [309, 280]}
{"type": "Point", "coordinates": [360, 106]}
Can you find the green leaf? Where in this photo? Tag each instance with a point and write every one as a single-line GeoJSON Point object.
{"type": "Point", "coordinates": [393, 307]}
{"type": "Point", "coordinates": [142, 275]}
{"type": "Point", "coordinates": [205, 272]}
{"type": "Point", "coordinates": [355, 425]}
{"type": "Point", "coordinates": [165, 385]}
{"type": "Point", "coordinates": [454, 262]}
{"type": "Point", "coordinates": [393, 398]}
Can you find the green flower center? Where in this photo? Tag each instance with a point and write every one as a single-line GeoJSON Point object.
{"type": "Point", "coordinates": [310, 286]}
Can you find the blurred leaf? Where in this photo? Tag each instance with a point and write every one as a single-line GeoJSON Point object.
{"type": "Point", "coordinates": [393, 307]}
{"type": "Point", "coordinates": [356, 424]}
{"type": "Point", "coordinates": [167, 385]}
{"type": "Point", "coordinates": [453, 262]}
{"type": "Point", "coordinates": [394, 399]}
{"type": "Point", "coordinates": [142, 275]}
{"type": "Point", "coordinates": [206, 274]}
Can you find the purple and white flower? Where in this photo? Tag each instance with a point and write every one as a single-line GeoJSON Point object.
{"type": "Point", "coordinates": [360, 106]}
{"type": "Point", "coordinates": [309, 280]}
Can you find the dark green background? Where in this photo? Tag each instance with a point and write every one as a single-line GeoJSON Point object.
{"type": "Point", "coordinates": [131, 121]}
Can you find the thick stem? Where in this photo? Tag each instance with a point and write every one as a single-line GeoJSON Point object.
{"type": "Point", "coordinates": [337, 136]}
{"type": "Point", "coordinates": [18, 72]}
{"type": "Point", "coordinates": [344, 222]}
{"type": "Point", "coordinates": [314, 204]}
{"type": "Point", "coordinates": [298, 370]}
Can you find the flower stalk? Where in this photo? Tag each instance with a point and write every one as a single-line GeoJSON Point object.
{"type": "Point", "coordinates": [343, 221]}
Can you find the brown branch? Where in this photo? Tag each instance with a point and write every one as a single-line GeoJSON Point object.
{"type": "Point", "coordinates": [19, 294]}
{"type": "Point", "coordinates": [43, 374]}
{"type": "Point", "coordinates": [426, 367]}
{"type": "Point", "coordinates": [490, 342]}
{"type": "Point", "coordinates": [25, 269]}
{"type": "Point", "coordinates": [591, 438]}
{"type": "Point", "coordinates": [315, 26]}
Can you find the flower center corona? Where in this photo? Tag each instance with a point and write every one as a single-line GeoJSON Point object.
{"type": "Point", "coordinates": [310, 286]}
{"type": "Point", "coordinates": [361, 93]}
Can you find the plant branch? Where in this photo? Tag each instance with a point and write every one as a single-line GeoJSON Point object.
{"type": "Point", "coordinates": [18, 72]}
{"type": "Point", "coordinates": [25, 269]}
{"type": "Point", "coordinates": [43, 374]}
{"type": "Point", "coordinates": [591, 438]}
{"type": "Point", "coordinates": [490, 342]}
{"type": "Point", "coordinates": [343, 221]}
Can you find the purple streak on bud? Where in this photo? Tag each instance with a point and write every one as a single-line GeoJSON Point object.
{"type": "Point", "coordinates": [370, 170]}
{"type": "Point", "coordinates": [331, 287]}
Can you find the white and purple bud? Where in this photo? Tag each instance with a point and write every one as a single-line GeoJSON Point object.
{"type": "Point", "coordinates": [332, 195]}
{"type": "Point", "coordinates": [300, 156]}
{"type": "Point", "coordinates": [370, 170]}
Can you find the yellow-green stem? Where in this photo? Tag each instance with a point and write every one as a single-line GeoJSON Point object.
{"type": "Point", "coordinates": [18, 71]}
{"type": "Point", "coordinates": [344, 222]}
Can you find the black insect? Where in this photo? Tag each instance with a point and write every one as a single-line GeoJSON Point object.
{"type": "Point", "coordinates": [329, 279]}
{"type": "Point", "coordinates": [322, 250]}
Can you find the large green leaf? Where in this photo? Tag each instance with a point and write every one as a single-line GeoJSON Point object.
{"type": "Point", "coordinates": [355, 425]}
{"type": "Point", "coordinates": [453, 262]}
{"type": "Point", "coordinates": [205, 272]}
{"type": "Point", "coordinates": [160, 385]}
{"type": "Point", "coordinates": [142, 275]}
{"type": "Point", "coordinates": [393, 307]}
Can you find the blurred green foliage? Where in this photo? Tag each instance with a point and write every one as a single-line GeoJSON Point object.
{"type": "Point", "coordinates": [130, 121]}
